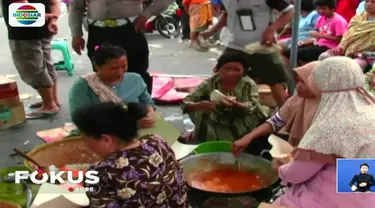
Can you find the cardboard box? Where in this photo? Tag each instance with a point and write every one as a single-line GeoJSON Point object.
{"type": "Point", "coordinates": [8, 88]}
{"type": "Point", "coordinates": [12, 116]}
{"type": "Point", "coordinates": [265, 96]}
{"type": "Point", "coordinates": [9, 102]}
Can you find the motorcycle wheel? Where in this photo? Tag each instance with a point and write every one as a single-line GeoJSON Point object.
{"type": "Point", "coordinates": [168, 27]}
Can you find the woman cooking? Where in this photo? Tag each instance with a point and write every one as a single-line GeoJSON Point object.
{"type": "Point", "coordinates": [358, 39]}
{"type": "Point", "coordinates": [135, 172]}
{"type": "Point", "coordinates": [295, 115]}
{"type": "Point", "coordinates": [111, 83]}
{"type": "Point", "coordinates": [344, 127]}
{"type": "Point", "coordinates": [228, 119]}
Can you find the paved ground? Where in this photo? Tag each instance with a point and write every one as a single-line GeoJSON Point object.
{"type": "Point", "coordinates": [167, 56]}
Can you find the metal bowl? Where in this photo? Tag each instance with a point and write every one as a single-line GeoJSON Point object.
{"type": "Point", "coordinates": [200, 163]}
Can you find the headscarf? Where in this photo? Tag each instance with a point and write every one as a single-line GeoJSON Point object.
{"type": "Point", "coordinates": [232, 57]}
{"type": "Point", "coordinates": [344, 125]}
{"type": "Point", "coordinates": [299, 111]}
{"type": "Point", "coordinates": [360, 35]}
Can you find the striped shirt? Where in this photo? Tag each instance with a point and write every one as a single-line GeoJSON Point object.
{"type": "Point", "coordinates": [277, 122]}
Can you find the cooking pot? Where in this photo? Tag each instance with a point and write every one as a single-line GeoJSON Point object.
{"type": "Point", "coordinates": [200, 163]}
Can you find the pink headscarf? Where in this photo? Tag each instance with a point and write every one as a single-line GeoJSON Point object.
{"type": "Point", "coordinates": [298, 111]}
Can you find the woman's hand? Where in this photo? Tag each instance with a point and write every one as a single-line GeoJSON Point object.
{"type": "Point", "coordinates": [232, 102]}
{"type": "Point", "coordinates": [205, 105]}
{"type": "Point", "coordinates": [337, 51]}
{"type": "Point", "coordinates": [146, 122]}
{"type": "Point", "coordinates": [277, 162]}
{"type": "Point", "coordinates": [239, 145]}
{"type": "Point", "coordinates": [354, 188]}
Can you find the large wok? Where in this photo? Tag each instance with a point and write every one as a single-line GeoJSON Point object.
{"type": "Point", "coordinates": [212, 161]}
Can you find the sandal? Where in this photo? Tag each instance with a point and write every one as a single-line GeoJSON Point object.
{"type": "Point", "coordinates": [40, 114]}
{"type": "Point", "coordinates": [38, 105]}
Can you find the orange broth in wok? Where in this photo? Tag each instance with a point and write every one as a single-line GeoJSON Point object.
{"type": "Point", "coordinates": [227, 181]}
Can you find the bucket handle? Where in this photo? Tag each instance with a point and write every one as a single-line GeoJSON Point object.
{"type": "Point", "coordinates": [262, 153]}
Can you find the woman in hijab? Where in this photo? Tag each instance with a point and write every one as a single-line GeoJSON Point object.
{"type": "Point", "coordinates": [343, 127]}
{"type": "Point", "coordinates": [294, 116]}
{"type": "Point", "coordinates": [228, 119]}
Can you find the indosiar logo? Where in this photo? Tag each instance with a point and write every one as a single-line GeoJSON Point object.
{"type": "Point", "coordinates": [27, 15]}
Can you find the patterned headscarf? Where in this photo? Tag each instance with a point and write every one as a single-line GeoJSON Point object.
{"type": "Point", "coordinates": [344, 125]}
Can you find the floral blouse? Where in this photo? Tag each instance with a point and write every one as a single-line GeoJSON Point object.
{"type": "Point", "coordinates": [143, 177]}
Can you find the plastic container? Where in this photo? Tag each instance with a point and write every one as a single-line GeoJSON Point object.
{"type": "Point", "coordinates": [214, 146]}
{"type": "Point", "coordinates": [280, 147]}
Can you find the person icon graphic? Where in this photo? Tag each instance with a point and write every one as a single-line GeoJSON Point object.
{"type": "Point", "coordinates": [362, 182]}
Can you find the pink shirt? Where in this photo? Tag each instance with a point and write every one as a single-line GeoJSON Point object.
{"type": "Point", "coordinates": [314, 186]}
{"type": "Point", "coordinates": [335, 26]}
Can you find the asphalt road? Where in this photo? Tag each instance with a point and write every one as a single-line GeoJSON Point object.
{"type": "Point", "coordinates": [166, 56]}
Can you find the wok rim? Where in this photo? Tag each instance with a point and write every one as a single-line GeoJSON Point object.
{"type": "Point", "coordinates": [272, 181]}
{"type": "Point", "coordinates": [216, 153]}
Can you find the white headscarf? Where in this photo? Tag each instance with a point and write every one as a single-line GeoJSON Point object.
{"type": "Point", "coordinates": [344, 124]}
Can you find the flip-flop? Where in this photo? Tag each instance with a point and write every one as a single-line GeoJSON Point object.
{"type": "Point", "coordinates": [38, 105]}
{"type": "Point", "coordinates": [40, 115]}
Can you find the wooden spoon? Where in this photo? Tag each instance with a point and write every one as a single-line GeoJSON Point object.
{"type": "Point", "coordinates": [20, 153]}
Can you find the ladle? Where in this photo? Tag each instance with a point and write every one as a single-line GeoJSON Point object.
{"type": "Point", "coordinates": [237, 164]}
{"type": "Point", "coordinates": [20, 153]}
